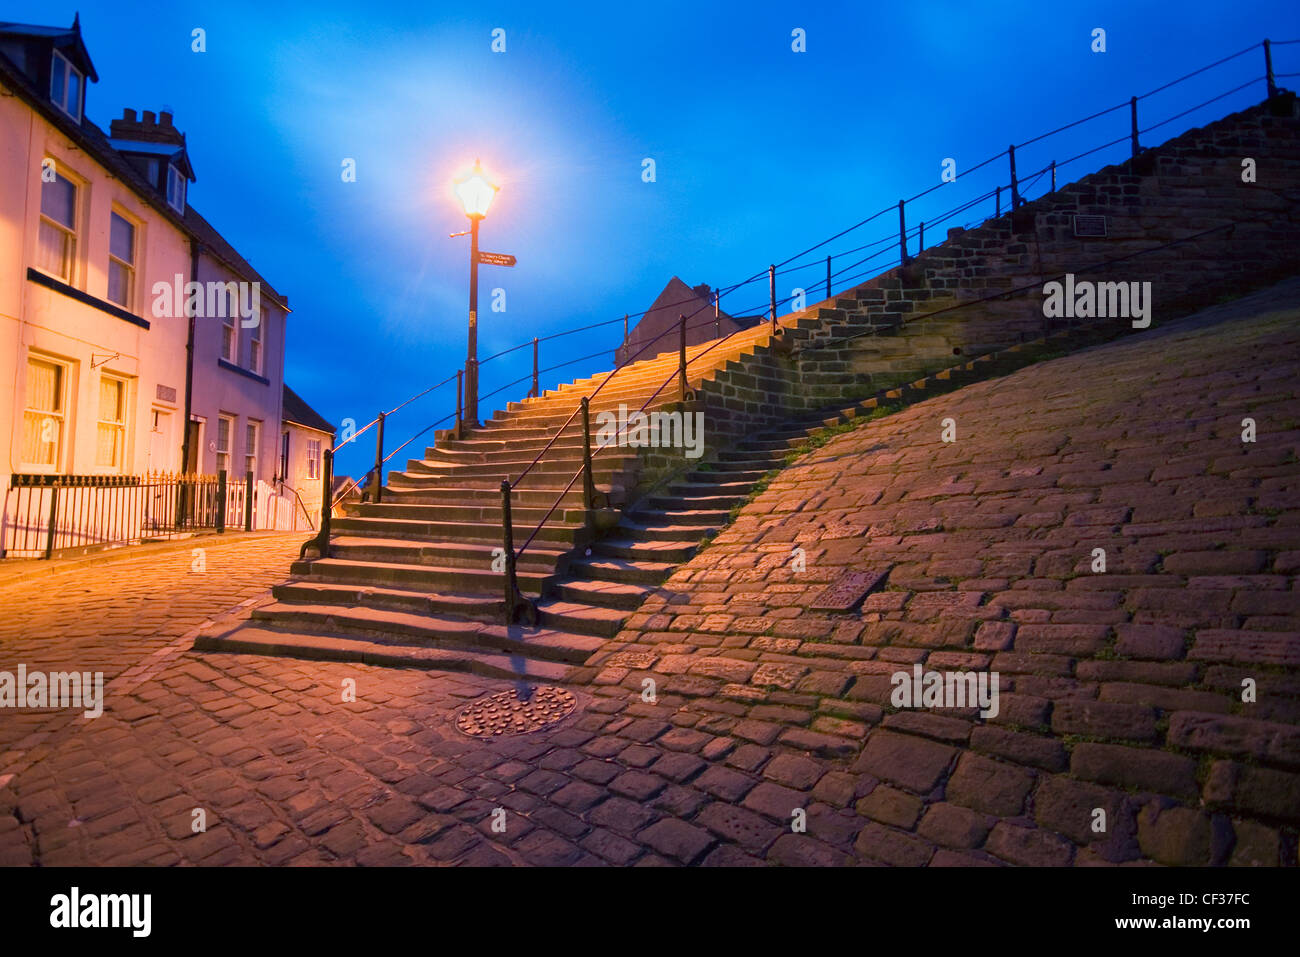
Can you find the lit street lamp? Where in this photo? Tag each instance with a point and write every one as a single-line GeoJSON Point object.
{"type": "Point", "coordinates": [475, 192]}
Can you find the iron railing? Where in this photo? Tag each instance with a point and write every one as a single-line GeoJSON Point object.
{"type": "Point", "coordinates": [45, 515]}
{"type": "Point", "coordinates": [1017, 189]}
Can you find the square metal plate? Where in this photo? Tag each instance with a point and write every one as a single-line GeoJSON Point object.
{"type": "Point", "coordinates": [847, 591]}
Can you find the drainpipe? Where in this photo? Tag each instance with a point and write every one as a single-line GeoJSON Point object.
{"type": "Point", "coordinates": [189, 360]}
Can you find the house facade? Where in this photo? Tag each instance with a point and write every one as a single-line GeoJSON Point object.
{"type": "Point", "coordinates": [136, 339]}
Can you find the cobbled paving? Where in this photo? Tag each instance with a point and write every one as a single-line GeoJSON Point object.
{"type": "Point", "coordinates": [770, 736]}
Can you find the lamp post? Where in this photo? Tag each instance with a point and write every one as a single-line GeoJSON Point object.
{"type": "Point", "coordinates": [475, 192]}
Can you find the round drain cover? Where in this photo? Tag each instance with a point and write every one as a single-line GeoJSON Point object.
{"type": "Point", "coordinates": [515, 712]}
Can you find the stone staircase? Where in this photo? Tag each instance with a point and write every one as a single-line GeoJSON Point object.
{"type": "Point", "coordinates": [409, 581]}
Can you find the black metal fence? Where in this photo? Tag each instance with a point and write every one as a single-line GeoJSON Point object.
{"type": "Point", "coordinates": [48, 515]}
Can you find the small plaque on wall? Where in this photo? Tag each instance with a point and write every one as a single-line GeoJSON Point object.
{"type": "Point", "coordinates": [1090, 226]}
{"type": "Point", "coordinates": [165, 393]}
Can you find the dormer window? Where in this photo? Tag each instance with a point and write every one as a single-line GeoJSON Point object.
{"type": "Point", "coordinates": [175, 189]}
{"type": "Point", "coordinates": [65, 86]}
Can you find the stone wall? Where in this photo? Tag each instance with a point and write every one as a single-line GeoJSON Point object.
{"type": "Point", "coordinates": [966, 296]}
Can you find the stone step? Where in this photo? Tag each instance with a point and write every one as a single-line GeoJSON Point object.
{"type": "Point", "coordinates": [624, 596]}
{"type": "Point", "coordinates": [538, 497]}
{"type": "Point", "coordinates": [703, 517]}
{"type": "Point", "coordinates": [684, 503]}
{"type": "Point", "coordinates": [622, 570]}
{"type": "Point", "coordinates": [669, 552]}
{"type": "Point", "coordinates": [638, 531]}
{"type": "Point", "coordinates": [433, 578]}
{"type": "Point", "coordinates": [566, 534]}
{"type": "Point", "coordinates": [396, 599]}
{"type": "Point", "coordinates": [444, 554]}
{"type": "Point", "coordinates": [486, 513]}
{"type": "Point", "coordinates": [748, 476]}
{"type": "Point", "coordinates": [389, 627]}
{"type": "Point", "coordinates": [319, 647]}
{"type": "Point", "coordinates": [580, 617]}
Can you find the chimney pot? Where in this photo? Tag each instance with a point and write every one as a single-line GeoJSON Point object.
{"type": "Point", "coordinates": [149, 118]}
{"type": "Point", "coordinates": [165, 118]}
{"type": "Point", "coordinates": [128, 114]}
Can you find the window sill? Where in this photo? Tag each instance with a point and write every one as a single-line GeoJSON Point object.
{"type": "Point", "coordinates": [231, 367]}
{"type": "Point", "coordinates": [103, 305]}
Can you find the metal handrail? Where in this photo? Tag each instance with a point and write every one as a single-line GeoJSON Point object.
{"type": "Point", "coordinates": [785, 267]}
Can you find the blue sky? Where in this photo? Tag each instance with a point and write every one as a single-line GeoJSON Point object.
{"type": "Point", "coordinates": [760, 152]}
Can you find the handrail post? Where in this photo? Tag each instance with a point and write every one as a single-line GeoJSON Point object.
{"type": "Point", "coordinates": [771, 292]}
{"type": "Point", "coordinates": [536, 391]}
{"type": "Point", "coordinates": [221, 501]}
{"type": "Point", "coordinates": [1015, 187]}
{"type": "Point", "coordinates": [379, 460]}
{"type": "Point", "coordinates": [248, 501]}
{"type": "Point", "coordinates": [1268, 69]}
{"type": "Point", "coordinates": [508, 539]}
{"type": "Point", "coordinates": [327, 503]}
{"type": "Point", "coordinates": [460, 394]}
{"type": "Point", "coordinates": [681, 357]}
{"type": "Point", "coordinates": [902, 234]}
{"type": "Point", "coordinates": [1133, 123]}
{"type": "Point", "coordinates": [588, 480]}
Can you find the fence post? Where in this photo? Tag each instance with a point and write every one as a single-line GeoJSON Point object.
{"type": "Point", "coordinates": [902, 234]}
{"type": "Point", "coordinates": [588, 481]}
{"type": "Point", "coordinates": [681, 359]}
{"type": "Point", "coordinates": [1268, 69]}
{"type": "Point", "coordinates": [771, 293]}
{"type": "Point", "coordinates": [1133, 122]}
{"type": "Point", "coordinates": [1015, 187]}
{"type": "Point", "coordinates": [379, 460]}
{"type": "Point", "coordinates": [460, 393]}
{"type": "Point", "coordinates": [536, 391]}
{"type": "Point", "coordinates": [248, 501]}
{"type": "Point", "coordinates": [508, 539]}
{"type": "Point", "coordinates": [52, 526]}
{"type": "Point", "coordinates": [221, 501]}
{"type": "Point", "coordinates": [1053, 176]}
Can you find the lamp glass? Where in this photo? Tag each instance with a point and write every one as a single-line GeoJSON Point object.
{"type": "Point", "coordinates": [475, 192]}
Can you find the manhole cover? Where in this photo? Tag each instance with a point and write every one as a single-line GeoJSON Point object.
{"type": "Point", "coordinates": [510, 712]}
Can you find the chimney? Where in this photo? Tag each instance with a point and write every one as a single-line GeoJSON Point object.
{"type": "Point", "coordinates": [703, 291]}
{"type": "Point", "coordinates": [150, 128]}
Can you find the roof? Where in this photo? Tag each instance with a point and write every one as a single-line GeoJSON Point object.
{"type": "Point", "coordinates": [297, 411]}
{"type": "Point", "coordinates": [680, 299]}
{"type": "Point", "coordinates": [208, 236]}
{"type": "Point", "coordinates": [99, 147]}
{"type": "Point", "coordinates": [67, 39]}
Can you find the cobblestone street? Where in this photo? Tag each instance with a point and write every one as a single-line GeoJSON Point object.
{"type": "Point", "coordinates": [1120, 690]}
